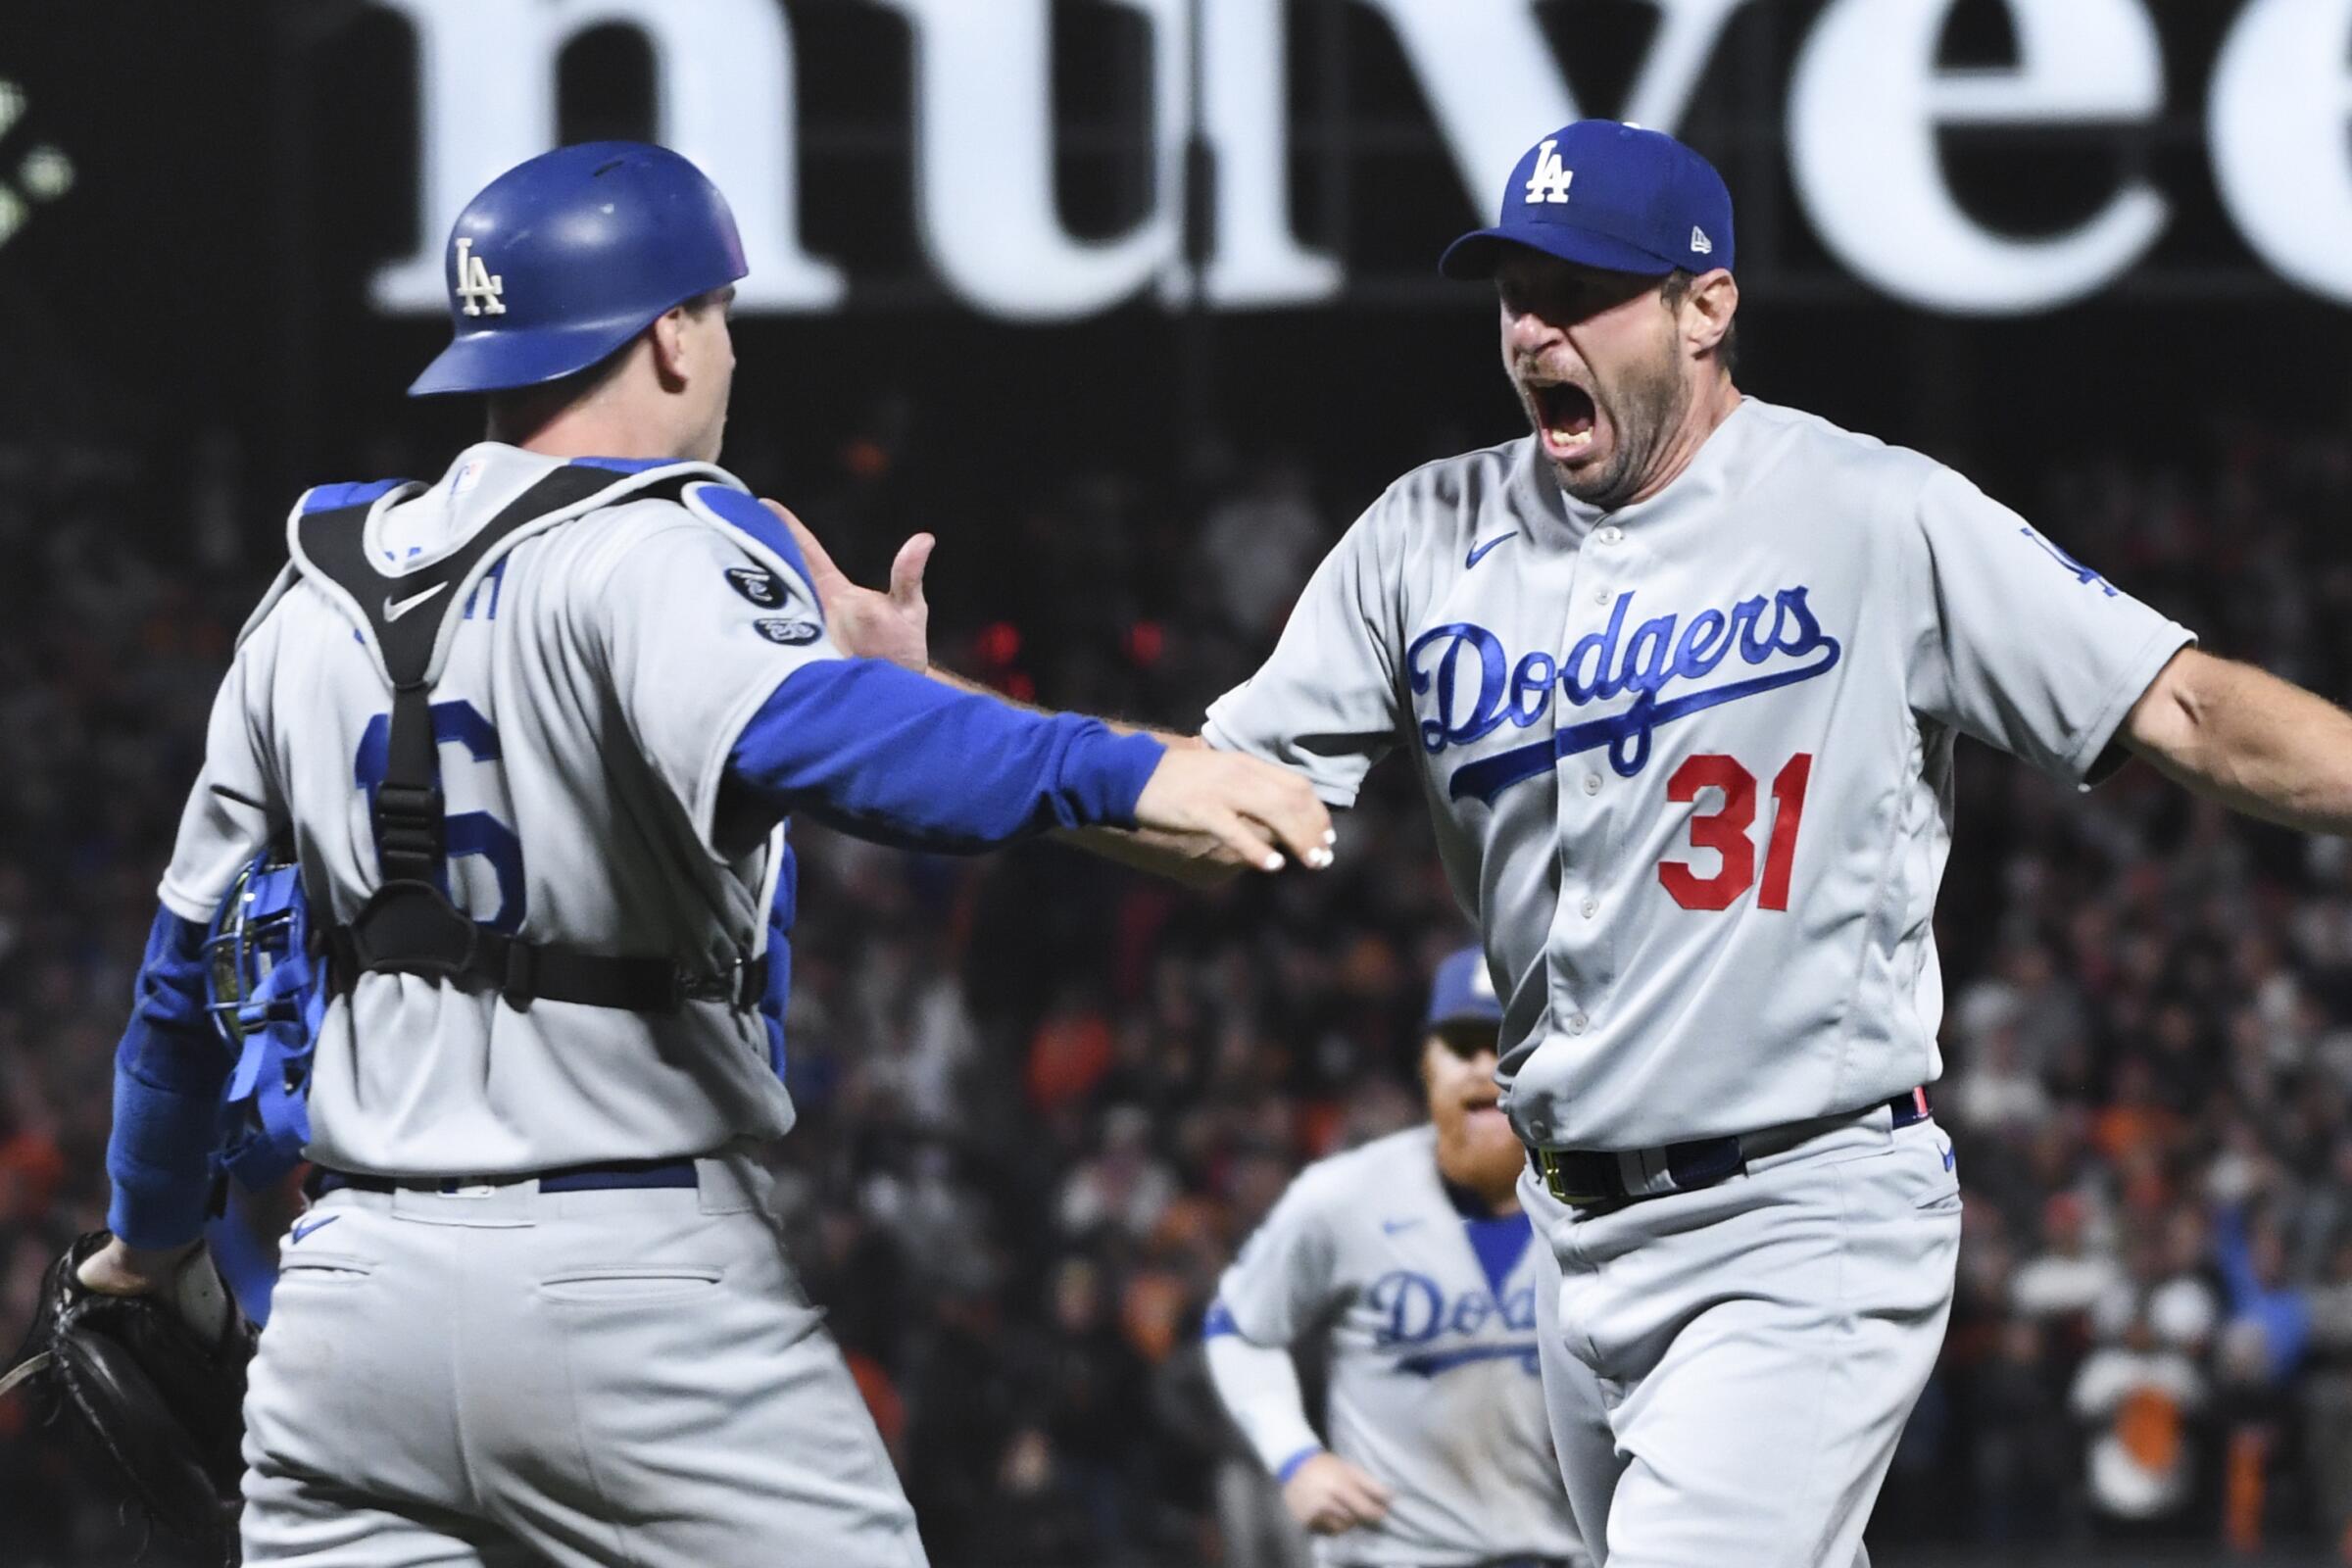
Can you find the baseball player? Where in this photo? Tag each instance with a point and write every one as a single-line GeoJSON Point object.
{"type": "Point", "coordinates": [1684, 672]}
{"type": "Point", "coordinates": [1409, 1258]}
{"type": "Point", "coordinates": [533, 729]}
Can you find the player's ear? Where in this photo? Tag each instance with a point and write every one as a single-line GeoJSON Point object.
{"type": "Point", "coordinates": [673, 360]}
{"type": "Point", "coordinates": [1708, 308]}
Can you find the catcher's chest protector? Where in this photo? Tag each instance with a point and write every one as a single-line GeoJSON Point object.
{"type": "Point", "coordinates": [409, 924]}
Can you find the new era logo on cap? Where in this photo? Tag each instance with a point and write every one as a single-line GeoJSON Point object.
{"type": "Point", "coordinates": [1699, 243]}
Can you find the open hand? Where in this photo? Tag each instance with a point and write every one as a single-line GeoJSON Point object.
{"type": "Point", "coordinates": [867, 624]}
{"type": "Point", "coordinates": [1254, 812]}
{"type": "Point", "coordinates": [1328, 1494]}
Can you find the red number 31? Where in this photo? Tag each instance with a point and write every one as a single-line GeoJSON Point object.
{"type": "Point", "coordinates": [1725, 831]}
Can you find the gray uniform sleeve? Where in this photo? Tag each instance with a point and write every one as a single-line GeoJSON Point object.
{"type": "Point", "coordinates": [1326, 702]}
{"type": "Point", "coordinates": [1279, 1284]}
{"type": "Point", "coordinates": [694, 635]}
{"type": "Point", "coordinates": [2024, 647]}
{"type": "Point", "coordinates": [1259, 1389]}
{"type": "Point", "coordinates": [236, 801]}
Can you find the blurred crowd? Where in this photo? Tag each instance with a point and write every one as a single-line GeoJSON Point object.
{"type": "Point", "coordinates": [1041, 1100]}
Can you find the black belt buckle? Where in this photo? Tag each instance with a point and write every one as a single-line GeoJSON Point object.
{"type": "Point", "coordinates": [1566, 1172]}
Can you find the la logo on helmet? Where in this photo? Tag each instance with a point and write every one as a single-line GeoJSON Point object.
{"type": "Point", "coordinates": [1550, 182]}
{"type": "Point", "coordinates": [476, 285]}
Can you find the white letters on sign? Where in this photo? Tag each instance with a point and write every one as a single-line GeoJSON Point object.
{"type": "Point", "coordinates": [723, 80]}
{"type": "Point", "coordinates": [1865, 107]}
{"type": "Point", "coordinates": [2279, 101]}
{"type": "Point", "coordinates": [1863, 113]}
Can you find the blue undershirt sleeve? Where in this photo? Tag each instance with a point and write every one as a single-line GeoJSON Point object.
{"type": "Point", "coordinates": [168, 1074]}
{"type": "Point", "coordinates": [887, 755]}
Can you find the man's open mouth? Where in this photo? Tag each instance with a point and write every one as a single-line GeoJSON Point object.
{"type": "Point", "coordinates": [1565, 415]}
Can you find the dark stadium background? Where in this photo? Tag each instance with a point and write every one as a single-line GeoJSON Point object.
{"type": "Point", "coordinates": [1042, 1099]}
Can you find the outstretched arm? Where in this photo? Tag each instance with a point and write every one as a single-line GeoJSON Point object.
{"type": "Point", "coordinates": [894, 624]}
{"type": "Point", "coordinates": [2249, 740]}
{"type": "Point", "coordinates": [888, 755]}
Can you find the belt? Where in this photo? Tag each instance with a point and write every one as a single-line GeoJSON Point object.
{"type": "Point", "coordinates": [627, 1173]}
{"type": "Point", "coordinates": [1587, 1178]}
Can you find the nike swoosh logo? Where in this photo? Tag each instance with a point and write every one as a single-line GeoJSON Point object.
{"type": "Point", "coordinates": [394, 610]}
{"type": "Point", "coordinates": [1478, 553]}
{"type": "Point", "coordinates": [304, 1227]}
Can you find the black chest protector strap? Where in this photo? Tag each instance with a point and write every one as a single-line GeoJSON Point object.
{"type": "Point", "coordinates": [409, 925]}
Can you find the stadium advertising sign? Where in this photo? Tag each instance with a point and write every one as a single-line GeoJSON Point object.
{"type": "Point", "coordinates": [1865, 103]}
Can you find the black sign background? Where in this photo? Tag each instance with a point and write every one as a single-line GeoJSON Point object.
{"type": "Point", "coordinates": [242, 165]}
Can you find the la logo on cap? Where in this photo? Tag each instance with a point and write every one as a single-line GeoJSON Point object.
{"type": "Point", "coordinates": [476, 285]}
{"type": "Point", "coordinates": [1550, 180]}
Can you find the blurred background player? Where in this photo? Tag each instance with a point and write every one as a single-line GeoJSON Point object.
{"type": "Point", "coordinates": [1409, 1259]}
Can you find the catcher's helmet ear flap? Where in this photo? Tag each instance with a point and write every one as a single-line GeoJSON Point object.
{"type": "Point", "coordinates": [261, 922]}
{"type": "Point", "coordinates": [567, 256]}
{"type": "Point", "coordinates": [265, 990]}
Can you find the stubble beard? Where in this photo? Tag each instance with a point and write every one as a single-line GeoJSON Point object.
{"type": "Point", "coordinates": [1644, 411]}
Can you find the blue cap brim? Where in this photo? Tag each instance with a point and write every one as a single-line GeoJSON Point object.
{"type": "Point", "coordinates": [493, 359]}
{"type": "Point", "coordinates": [1476, 254]}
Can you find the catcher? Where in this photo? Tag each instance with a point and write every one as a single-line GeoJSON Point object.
{"type": "Point", "coordinates": [534, 729]}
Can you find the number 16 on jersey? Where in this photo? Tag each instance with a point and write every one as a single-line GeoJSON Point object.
{"type": "Point", "coordinates": [1727, 830]}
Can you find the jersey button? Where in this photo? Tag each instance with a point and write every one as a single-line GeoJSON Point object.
{"type": "Point", "coordinates": [1578, 1023]}
{"type": "Point", "coordinates": [1611, 535]}
{"type": "Point", "coordinates": [1592, 783]}
{"type": "Point", "coordinates": [1592, 908]}
{"type": "Point", "coordinates": [1600, 595]}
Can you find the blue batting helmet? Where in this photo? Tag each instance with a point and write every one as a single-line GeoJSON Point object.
{"type": "Point", "coordinates": [566, 257]}
{"type": "Point", "coordinates": [266, 993]}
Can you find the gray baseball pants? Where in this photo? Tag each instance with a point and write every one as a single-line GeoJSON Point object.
{"type": "Point", "coordinates": [500, 1377]}
{"type": "Point", "coordinates": [1728, 1369]}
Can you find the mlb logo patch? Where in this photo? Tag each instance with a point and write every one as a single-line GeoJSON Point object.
{"type": "Point", "coordinates": [757, 584]}
{"type": "Point", "coordinates": [789, 632]}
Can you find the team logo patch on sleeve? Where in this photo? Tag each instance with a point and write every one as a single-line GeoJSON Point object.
{"type": "Point", "coordinates": [758, 584]}
{"type": "Point", "coordinates": [791, 632]}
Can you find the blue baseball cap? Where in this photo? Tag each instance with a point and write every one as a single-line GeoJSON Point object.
{"type": "Point", "coordinates": [1462, 992]}
{"type": "Point", "coordinates": [1605, 194]}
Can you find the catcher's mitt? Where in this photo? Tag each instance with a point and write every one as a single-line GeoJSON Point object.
{"type": "Point", "coordinates": [157, 1380]}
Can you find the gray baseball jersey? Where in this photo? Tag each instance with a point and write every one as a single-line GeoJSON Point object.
{"type": "Point", "coordinates": [1690, 761]}
{"type": "Point", "coordinates": [583, 732]}
{"type": "Point", "coordinates": [1430, 1319]}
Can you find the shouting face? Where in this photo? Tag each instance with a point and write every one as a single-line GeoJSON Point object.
{"type": "Point", "coordinates": [1600, 363]}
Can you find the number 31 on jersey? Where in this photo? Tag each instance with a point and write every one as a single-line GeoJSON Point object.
{"type": "Point", "coordinates": [1727, 831]}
